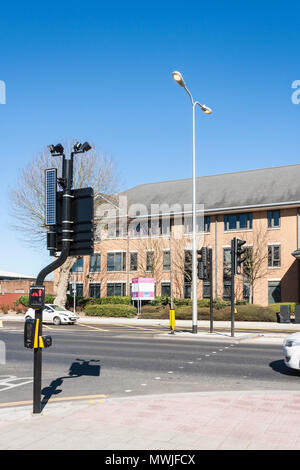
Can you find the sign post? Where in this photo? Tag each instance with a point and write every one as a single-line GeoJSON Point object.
{"type": "Point", "coordinates": [142, 289]}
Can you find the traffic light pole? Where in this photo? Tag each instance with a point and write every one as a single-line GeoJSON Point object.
{"type": "Point", "coordinates": [67, 182]}
{"type": "Point", "coordinates": [211, 292]}
{"type": "Point", "coordinates": [232, 284]}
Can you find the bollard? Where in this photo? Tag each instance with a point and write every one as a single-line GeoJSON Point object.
{"type": "Point", "coordinates": [172, 321]}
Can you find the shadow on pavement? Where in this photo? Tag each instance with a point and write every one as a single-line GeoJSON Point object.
{"type": "Point", "coordinates": [279, 366]}
{"type": "Point", "coordinates": [76, 370]}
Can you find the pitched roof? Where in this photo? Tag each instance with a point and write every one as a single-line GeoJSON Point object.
{"type": "Point", "coordinates": [243, 189]}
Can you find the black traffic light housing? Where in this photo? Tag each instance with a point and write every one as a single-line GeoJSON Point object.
{"type": "Point", "coordinates": [36, 297]}
{"type": "Point", "coordinates": [238, 252]}
{"type": "Point", "coordinates": [29, 332]}
{"type": "Point", "coordinates": [202, 263]}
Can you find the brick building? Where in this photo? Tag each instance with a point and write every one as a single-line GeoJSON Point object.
{"type": "Point", "coordinates": [150, 235]}
{"type": "Point", "coordinates": [13, 285]}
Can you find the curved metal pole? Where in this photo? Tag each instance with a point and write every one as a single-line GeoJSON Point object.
{"type": "Point", "coordinates": [52, 266]}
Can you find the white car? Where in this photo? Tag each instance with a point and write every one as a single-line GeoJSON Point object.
{"type": "Point", "coordinates": [291, 351]}
{"type": "Point", "coordinates": [55, 314]}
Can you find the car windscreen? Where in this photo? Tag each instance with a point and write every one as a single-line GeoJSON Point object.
{"type": "Point", "coordinates": [58, 308]}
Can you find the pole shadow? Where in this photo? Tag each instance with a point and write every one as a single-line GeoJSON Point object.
{"type": "Point", "coordinates": [77, 369]}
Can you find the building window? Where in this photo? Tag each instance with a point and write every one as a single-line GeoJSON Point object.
{"type": "Point", "coordinates": [133, 261]}
{"type": "Point", "coordinates": [246, 291]}
{"type": "Point", "coordinates": [274, 292]}
{"type": "Point", "coordinates": [166, 289]}
{"type": "Point", "coordinates": [95, 290]}
{"type": "Point", "coordinates": [78, 291]}
{"type": "Point", "coordinates": [95, 264]}
{"type": "Point", "coordinates": [187, 290]}
{"type": "Point", "coordinates": [115, 289]}
{"type": "Point", "coordinates": [116, 261]}
{"type": "Point", "coordinates": [78, 266]}
{"type": "Point", "coordinates": [238, 221]}
{"type": "Point", "coordinates": [202, 224]}
{"type": "Point", "coordinates": [149, 260]}
{"type": "Point", "coordinates": [166, 260]}
{"type": "Point", "coordinates": [273, 219]}
{"type": "Point", "coordinates": [273, 256]}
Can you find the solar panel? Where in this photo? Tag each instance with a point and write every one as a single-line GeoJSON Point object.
{"type": "Point", "coordinates": [51, 190]}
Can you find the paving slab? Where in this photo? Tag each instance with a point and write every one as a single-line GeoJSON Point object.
{"type": "Point", "coordinates": [209, 420]}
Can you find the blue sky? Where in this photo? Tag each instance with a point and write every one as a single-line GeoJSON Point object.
{"type": "Point", "coordinates": [101, 71]}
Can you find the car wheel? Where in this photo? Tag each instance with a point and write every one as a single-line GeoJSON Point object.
{"type": "Point", "coordinates": [56, 321]}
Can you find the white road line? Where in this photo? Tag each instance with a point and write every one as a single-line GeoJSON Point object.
{"type": "Point", "coordinates": [7, 383]}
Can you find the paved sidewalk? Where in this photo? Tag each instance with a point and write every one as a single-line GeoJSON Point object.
{"type": "Point", "coordinates": [216, 420]}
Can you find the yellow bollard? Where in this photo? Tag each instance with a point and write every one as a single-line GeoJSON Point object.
{"type": "Point", "coordinates": [172, 321]}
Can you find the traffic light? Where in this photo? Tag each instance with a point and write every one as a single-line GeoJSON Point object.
{"type": "Point", "coordinates": [202, 263]}
{"type": "Point", "coordinates": [32, 340]}
{"type": "Point", "coordinates": [36, 297]}
{"type": "Point", "coordinates": [238, 252]}
{"type": "Point", "coordinates": [29, 332]}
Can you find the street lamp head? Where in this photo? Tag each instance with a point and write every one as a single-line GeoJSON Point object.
{"type": "Point", "coordinates": [206, 109]}
{"type": "Point", "coordinates": [56, 149]}
{"type": "Point", "coordinates": [178, 78]}
{"type": "Point", "coordinates": [81, 148]}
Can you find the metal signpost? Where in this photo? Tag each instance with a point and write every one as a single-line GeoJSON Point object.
{"type": "Point", "coordinates": [69, 215]}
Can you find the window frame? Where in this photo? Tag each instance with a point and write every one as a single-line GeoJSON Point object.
{"type": "Point", "coordinates": [238, 216]}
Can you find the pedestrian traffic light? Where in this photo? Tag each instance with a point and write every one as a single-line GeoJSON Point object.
{"type": "Point", "coordinates": [238, 252]}
{"type": "Point", "coordinates": [37, 297]}
{"type": "Point", "coordinates": [29, 332]}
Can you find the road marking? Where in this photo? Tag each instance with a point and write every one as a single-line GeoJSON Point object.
{"type": "Point", "coordinates": [7, 382]}
{"type": "Point", "coordinates": [93, 327]}
{"type": "Point", "coordinates": [47, 327]}
{"type": "Point", "coordinates": [51, 400]}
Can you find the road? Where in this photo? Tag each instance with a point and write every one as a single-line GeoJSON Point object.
{"type": "Point", "coordinates": [117, 360]}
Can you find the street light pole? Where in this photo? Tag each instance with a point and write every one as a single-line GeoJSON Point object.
{"type": "Point", "coordinates": [179, 79]}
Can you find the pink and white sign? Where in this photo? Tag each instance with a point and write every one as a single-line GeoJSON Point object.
{"type": "Point", "coordinates": [142, 288]}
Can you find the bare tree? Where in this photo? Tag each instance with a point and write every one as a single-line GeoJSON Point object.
{"type": "Point", "coordinates": [255, 265]}
{"type": "Point", "coordinates": [27, 198]}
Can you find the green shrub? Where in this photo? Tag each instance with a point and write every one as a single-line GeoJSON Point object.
{"type": "Point", "coordinates": [244, 313]}
{"type": "Point", "coordinates": [181, 302]}
{"type": "Point", "coordinates": [276, 306]}
{"type": "Point", "coordinates": [124, 300]}
{"type": "Point", "coordinates": [110, 310]}
{"type": "Point", "coordinates": [163, 300]}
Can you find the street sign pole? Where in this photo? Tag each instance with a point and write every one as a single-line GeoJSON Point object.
{"type": "Point", "coordinates": [232, 284]}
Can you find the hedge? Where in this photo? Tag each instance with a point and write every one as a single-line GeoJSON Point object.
{"type": "Point", "coordinates": [110, 310]}
{"type": "Point", "coordinates": [124, 300]}
{"type": "Point", "coordinates": [276, 307]}
{"type": "Point", "coordinates": [245, 313]}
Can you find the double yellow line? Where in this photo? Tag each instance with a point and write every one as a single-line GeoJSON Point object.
{"type": "Point", "coordinates": [91, 398]}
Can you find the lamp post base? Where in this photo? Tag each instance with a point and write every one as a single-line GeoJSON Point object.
{"type": "Point", "coordinates": [195, 329]}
